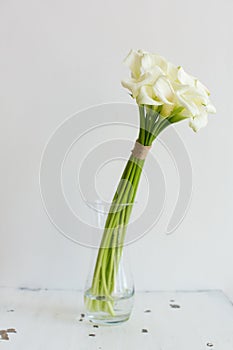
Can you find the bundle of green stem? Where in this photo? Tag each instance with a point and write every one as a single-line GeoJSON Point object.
{"type": "Point", "coordinates": [151, 124]}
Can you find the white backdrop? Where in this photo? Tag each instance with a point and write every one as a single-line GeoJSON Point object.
{"type": "Point", "coordinates": [58, 57]}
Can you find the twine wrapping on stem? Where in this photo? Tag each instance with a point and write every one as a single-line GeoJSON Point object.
{"type": "Point", "coordinates": [140, 151]}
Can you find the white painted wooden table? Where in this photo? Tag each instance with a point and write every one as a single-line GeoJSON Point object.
{"type": "Point", "coordinates": [49, 320]}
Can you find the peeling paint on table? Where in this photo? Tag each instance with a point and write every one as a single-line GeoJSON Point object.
{"type": "Point", "coordinates": [55, 319]}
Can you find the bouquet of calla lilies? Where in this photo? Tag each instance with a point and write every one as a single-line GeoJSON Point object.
{"type": "Point", "coordinates": [165, 95]}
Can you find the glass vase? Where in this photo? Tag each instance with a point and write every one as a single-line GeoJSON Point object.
{"type": "Point", "coordinates": [114, 307]}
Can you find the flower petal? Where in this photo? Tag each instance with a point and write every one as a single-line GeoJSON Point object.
{"type": "Point", "coordinates": [146, 96]}
{"type": "Point", "coordinates": [172, 71]}
{"type": "Point", "coordinates": [185, 78]}
{"type": "Point", "coordinates": [163, 90]}
{"type": "Point", "coordinates": [133, 61]}
{"type": "Point", "coordinates": [200, 86]}
{"type": "Point", "coordinates": [210, 108]}
{"type": "Point", "coordinates": [198, 122]}
{"type": "Point", "coordinates": [148, 78]}
{"type": "Point", "coordinates": [186, 101]}
{"type": "Point", "coordinates": [149, 61]}
{"type": "Point", "coordinates": [131, 86]}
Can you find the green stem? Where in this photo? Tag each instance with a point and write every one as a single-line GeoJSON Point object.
{"type": "Point", "coordinates": [112, 242]}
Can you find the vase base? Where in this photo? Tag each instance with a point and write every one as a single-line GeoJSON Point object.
{"type": "Point", "coordinates": [109, 311]}
{"type": "Point", "coordinates": [108, 321]}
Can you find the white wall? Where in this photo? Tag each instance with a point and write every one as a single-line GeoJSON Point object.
{"type": "Point", "coordinates": [60, 56]}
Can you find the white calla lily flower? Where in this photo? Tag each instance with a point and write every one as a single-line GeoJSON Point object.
{"type": "Point", "coordinates": [156, 82]}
